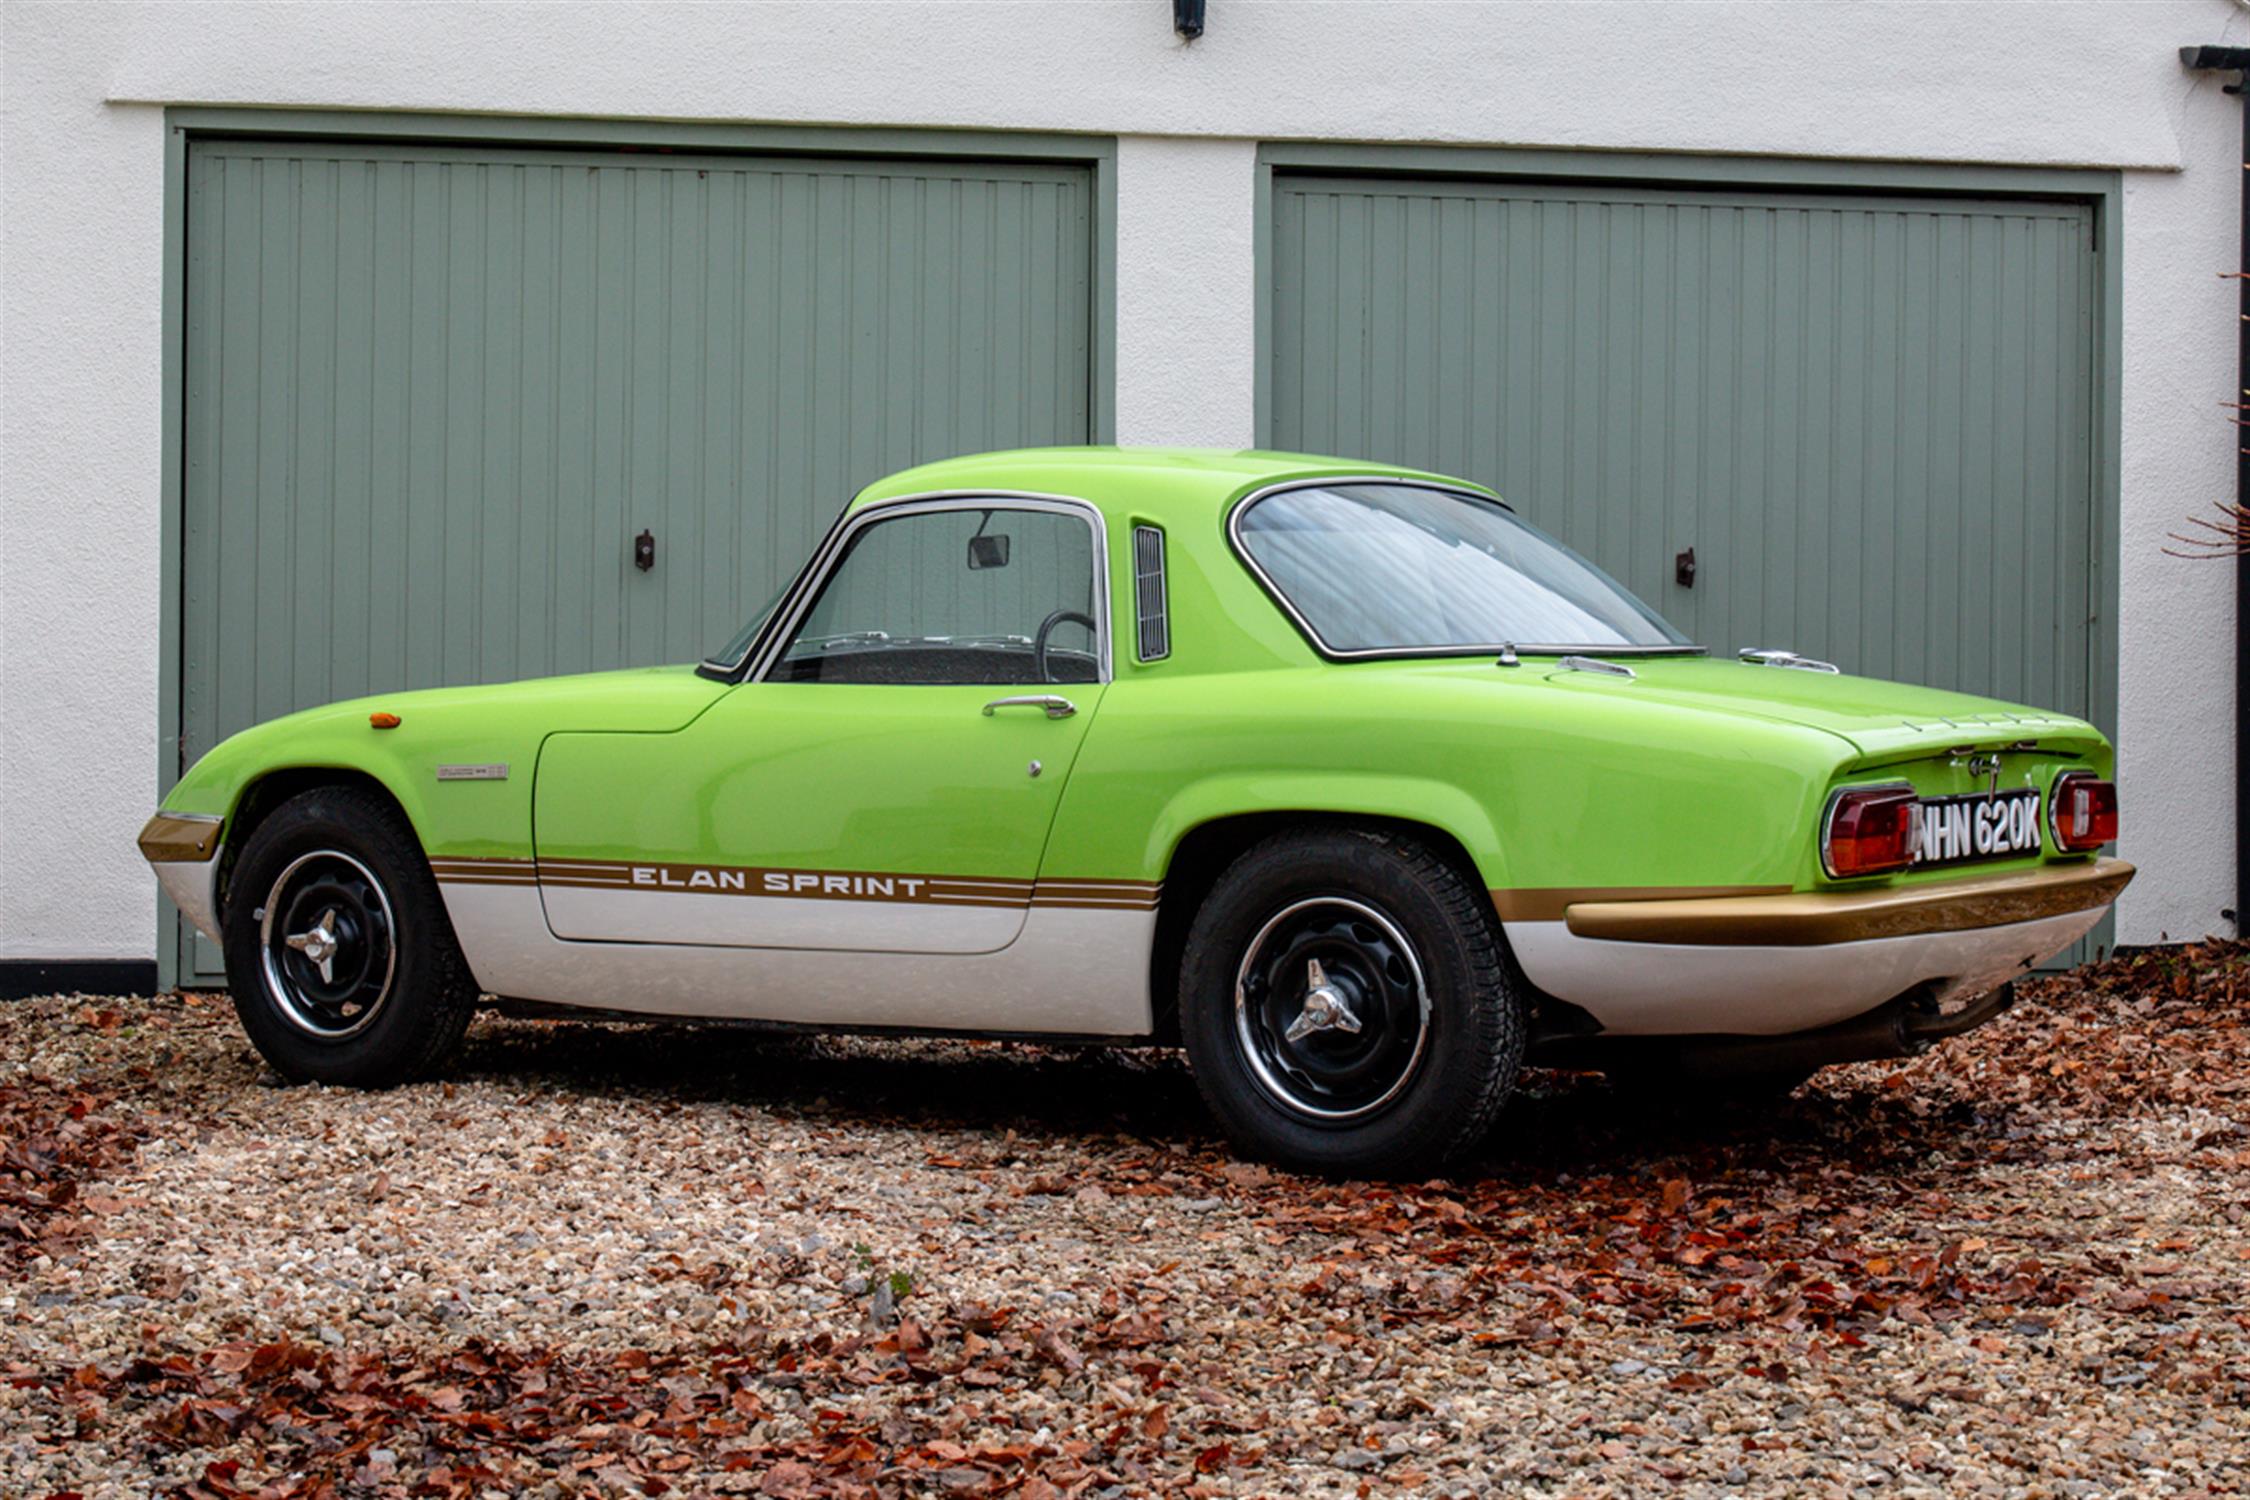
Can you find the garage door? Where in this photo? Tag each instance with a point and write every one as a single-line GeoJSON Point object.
{"type": "Point", "coordinates": [1872, 419]}
{"type": "Point", "coordinates": [432, 396]}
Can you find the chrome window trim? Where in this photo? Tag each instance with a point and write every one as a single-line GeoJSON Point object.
{"type": "Point", "coordinates": [1305, 628]}
{"type": "Point", "coordinates": [791, 611]}
{"type": "Point", "coordinates": [731, 671]}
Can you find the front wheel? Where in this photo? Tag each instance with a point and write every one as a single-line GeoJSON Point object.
{"type": "Point", "coordinates": [1347, 1005]}
{"type": "Point", "coordinates": [343, 964]}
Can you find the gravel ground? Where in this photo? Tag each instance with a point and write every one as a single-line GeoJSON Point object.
{"type": "Point", "coordinates": [647, 1260]}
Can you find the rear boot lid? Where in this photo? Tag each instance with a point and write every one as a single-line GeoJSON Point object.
{"type": "Point", "coordinates": [1886, 722]}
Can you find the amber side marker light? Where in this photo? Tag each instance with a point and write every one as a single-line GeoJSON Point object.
{"type": "Point", "coordinates": [1870, 830]}
{"type": "Point", "coordinates": [383, 720]}
{"type": "Point", "coordinates": [2082, 812]}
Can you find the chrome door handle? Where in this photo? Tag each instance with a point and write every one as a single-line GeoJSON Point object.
{"type": "Point", "coordinates": [1056, 707]}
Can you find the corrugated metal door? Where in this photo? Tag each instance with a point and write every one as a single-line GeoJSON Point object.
{"type": "Point", "coordinates": [432, 395]}
{"type": "Point", "coordinates": [1872, 418]}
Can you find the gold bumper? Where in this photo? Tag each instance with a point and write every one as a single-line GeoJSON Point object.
{"type": "Point", "coordinates": [1813, 918]}
{"type": "Point", "coordinates": [174, 838]}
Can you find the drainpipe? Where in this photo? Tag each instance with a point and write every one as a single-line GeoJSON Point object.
{"type": "Point", "coordinates": [2236, 60]}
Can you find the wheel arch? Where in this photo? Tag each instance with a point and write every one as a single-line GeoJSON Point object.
{"type": "Point", "coordinates": [265, 794]}
{"type": "Point", "coordinates": [1202, 853]}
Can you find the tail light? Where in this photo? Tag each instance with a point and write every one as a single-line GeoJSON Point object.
{"type": "Point", "coordinates": [1871, 830]}
{"type": "Point", "coordinates": [2082, 811]}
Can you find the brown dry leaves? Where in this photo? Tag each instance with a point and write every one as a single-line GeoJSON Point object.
{"type": "Point", "coordinates": [2019, 1265]}
{"type": "Point", "coordinates": [475, 1417]}
{"type": "Point", "coordinates": [54, 1138]}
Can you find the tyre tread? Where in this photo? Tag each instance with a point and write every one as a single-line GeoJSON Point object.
{"type": "Point", "coordinates": [1498, 1015]}
{"type": "Point", "coordinates": [1470, 909]}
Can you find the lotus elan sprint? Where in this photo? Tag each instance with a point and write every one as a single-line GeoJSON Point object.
{"type": "Point", "coordinates": [1338, 775]}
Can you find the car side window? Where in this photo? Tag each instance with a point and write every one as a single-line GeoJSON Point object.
{"type": "Point", "coordinates": [976, 595]}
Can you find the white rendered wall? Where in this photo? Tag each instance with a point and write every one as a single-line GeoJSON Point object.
{"type": "Point", "coordinates": [81, 423]}
{"type": "Point", "coordinates": [81, 197]}
{"type": "Point", "coordinates": [1186, 291]}
{"type": "Point", "coordinates": [2178, 777]}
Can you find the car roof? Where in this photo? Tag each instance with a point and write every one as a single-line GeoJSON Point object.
{"type": "Point", "coordinates": [1160, 482]}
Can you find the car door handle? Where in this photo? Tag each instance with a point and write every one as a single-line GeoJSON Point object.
{"type": "Point", "coordinates": [1056, 707]}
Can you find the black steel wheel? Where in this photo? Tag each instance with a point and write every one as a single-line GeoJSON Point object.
{"type": "Point", "coordinates": [326, 934]}
{"type": "Point", "coordinates": [1348, 1005]}
{"type": "Point", "coordinates": [1331, 1009]}
{"type": "Point", "coordinates": [342, 960]}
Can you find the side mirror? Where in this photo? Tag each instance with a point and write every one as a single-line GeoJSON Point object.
{"type": "Point", "coordinates": [988, 550]}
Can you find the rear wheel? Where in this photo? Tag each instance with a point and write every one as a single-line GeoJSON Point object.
{"type": "Point", "coordinates": [342, 961]}
{"type": "Point", "coordinates": [1347, 1004]}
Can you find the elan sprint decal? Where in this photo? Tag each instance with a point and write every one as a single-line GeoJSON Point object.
{"type": "Point", "coordinates": [657, 877]}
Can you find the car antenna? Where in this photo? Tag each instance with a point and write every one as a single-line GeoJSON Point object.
{"type": "Point", "coordinates": [1507, 655]}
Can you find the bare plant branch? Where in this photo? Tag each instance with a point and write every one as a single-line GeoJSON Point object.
{"type": "Point", "coordinates": [2229, 536]}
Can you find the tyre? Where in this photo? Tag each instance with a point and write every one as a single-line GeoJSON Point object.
{"type": "Point", "coordinates": [1348, 1005]}
{"type": "Point", "coordinates": [342, 961]}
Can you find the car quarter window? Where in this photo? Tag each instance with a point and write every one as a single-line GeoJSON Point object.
{"type": "Point", "coordinates": [970, 595]}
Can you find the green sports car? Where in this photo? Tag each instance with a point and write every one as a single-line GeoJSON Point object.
{"type": "Point", "coordinates": [1336, 774]}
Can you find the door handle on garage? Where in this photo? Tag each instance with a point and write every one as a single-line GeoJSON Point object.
{"type": "Point", "coordinates": [1056, 707]}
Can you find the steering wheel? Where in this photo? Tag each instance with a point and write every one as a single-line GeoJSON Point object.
{"type": "Point", "coordinates": [1046, 628]}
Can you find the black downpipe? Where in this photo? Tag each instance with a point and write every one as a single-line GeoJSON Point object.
{"type": "Point", "coordinates": [2237, 60]}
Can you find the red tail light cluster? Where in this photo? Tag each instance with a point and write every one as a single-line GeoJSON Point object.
{"type": "Point", "coordinates": [1871, 830]}
{"type": "Point", "coordinates": [2082, 811]}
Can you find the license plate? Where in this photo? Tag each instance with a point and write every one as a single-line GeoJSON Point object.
{"type": "Point", "coordinates": [1962, 830]}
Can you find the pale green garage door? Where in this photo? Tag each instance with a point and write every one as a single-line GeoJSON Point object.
{"type": "Point", "coordinates": [433, 395]}
{"type": "Point", "coordinates": [1872, 418]}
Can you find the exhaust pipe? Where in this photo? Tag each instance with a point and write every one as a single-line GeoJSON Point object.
{"type": "Point", "coordinates": [1906, 1026]}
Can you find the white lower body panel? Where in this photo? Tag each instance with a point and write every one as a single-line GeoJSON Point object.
{"type": "Point", "coordinates": [1670, 989]}
{"type": "Point", "coordinates": [1071, 972]}
{"type": "Point", "coordinates": [599, 914]}
{"type": "Point", "coordinates": [194, 889]}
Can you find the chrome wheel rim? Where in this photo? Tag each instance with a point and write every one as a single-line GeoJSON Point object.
{"type": "Point", "coordinates": [328, 945]}
{"type": "Point", "coordinates": [1331, 1011]}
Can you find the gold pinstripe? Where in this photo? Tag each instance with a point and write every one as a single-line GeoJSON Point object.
{"type": "Point", "coordinates": [953, 890]}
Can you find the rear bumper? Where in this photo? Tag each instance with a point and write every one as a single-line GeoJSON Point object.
{"type": "Point", "coordinates": [1772, 965]}
{"type": "Point", "coordinates": [1818, 918]}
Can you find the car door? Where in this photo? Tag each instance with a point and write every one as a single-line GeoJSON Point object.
{"type": "Point", "coordinates": [885, 779]}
